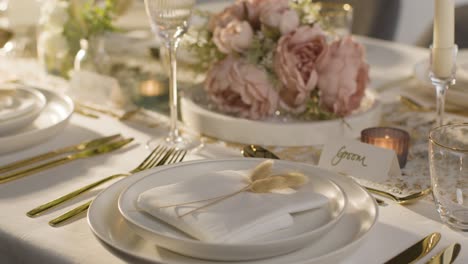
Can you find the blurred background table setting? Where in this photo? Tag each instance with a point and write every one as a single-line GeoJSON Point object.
{"type": "Point", "coordinates": [240, 131]}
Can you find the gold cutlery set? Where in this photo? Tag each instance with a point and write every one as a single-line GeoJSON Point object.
{"type": "Point", "coordinates": [87, 149]}
{"type": "Point", "coordinates": [94, 111]}
{"type": "Point", "coordinates": [415, 106]}
{"type": "Point", "coordinates": [135, 114]}
{"type": "Point", "coordinates": [423, 247]}
{"type": "Point", "coordinates": [158, 157]}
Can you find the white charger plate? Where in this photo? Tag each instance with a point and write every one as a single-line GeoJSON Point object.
{"type": "Point", "coordinates": [360, 216]}
{"type": "Point", "coordinates": [52, 119]}
{"type": "Point", "coordinates": [196, 114]}
{"type": "Point", "coordinates": [308, 226]}
{"type": "Point", "coordinates": [22, 115]}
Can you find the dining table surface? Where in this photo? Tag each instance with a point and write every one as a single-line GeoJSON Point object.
{"type": "Point", "coordinates": [32, 240]}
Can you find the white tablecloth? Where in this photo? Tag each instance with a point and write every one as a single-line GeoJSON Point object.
{"type": "Point", "coordinates": [27, 240]}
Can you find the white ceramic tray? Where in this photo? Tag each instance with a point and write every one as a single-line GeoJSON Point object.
{"type": "Point", "coordinates": [111, 228]}
{"type": "Point", "coordinates": [196, 114]}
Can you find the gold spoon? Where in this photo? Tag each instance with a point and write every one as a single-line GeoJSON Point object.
{"type": "Point", "coordinates": [402, 200]}
{"type": "Point", "coordinates": [255, 151]}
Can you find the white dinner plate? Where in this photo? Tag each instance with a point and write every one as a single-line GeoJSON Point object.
{"type": "Point", "coordinates": [197, 113]}
{"type": "Point", "coordinates": [360, 216]}
{"type": "Point", "coordinates": [25, 106]}
{"type": "Point", "coordinates": [309, 226]}
{"type": "Point", "coordinates": [52, 119]}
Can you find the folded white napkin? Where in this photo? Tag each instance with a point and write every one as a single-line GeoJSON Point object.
{"type": "Point", "coordinates": [239, 218]}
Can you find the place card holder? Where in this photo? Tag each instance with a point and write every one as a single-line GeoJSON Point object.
{"type": "Point", "coordinates": [360, 160]}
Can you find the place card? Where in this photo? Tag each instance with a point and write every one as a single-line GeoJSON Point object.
{"type": "Point", "coordinates": [360, 160]}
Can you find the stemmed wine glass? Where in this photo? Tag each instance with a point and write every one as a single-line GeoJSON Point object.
{"type": "Point", "coordinates": [169, 20]}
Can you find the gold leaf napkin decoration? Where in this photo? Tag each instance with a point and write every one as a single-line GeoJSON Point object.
{"type": "Point", "coordinates": [261, 180]}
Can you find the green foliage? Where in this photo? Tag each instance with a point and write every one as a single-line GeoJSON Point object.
{"type": "Point", "coordinates": [314, 111]}
{"type": "Point", "coordinates": [88, 20]}
{"type": "Point", "coordinates": [309, 12]}
{"type": "Point", "coordinates": [98, 19]}
{"type": "Point", "coordinates": [261, 52]}
{"type": "Point", "coordinates": [204, 49]}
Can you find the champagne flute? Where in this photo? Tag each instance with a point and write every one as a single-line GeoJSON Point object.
{"type": "Point", "coordinates": [169, 20]}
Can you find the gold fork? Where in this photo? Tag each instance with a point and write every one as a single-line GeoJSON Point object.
{"type": "Point", "coordinates": [171, 156]}
{"type": "Point", "coordinates": [149, 162]}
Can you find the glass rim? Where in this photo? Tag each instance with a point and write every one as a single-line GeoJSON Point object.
{"type": "Point", "coordinates": [380, 128]}
{"type": "Point", "coordinates": [434, 141]}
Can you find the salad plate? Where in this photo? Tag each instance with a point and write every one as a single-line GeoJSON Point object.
{"type": "Point", "coordinates": [308, 226]}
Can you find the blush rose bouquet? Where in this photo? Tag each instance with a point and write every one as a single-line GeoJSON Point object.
{"type": "Point", "coordinates": [265, 57]}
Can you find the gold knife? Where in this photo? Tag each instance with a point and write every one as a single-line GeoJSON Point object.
{"type": "Point", "coordinates": [416, 251]}
{"type": "Point", "coordinates": [79, 147]}
{"type": "Point", "coordinates": [106, 148]}
{"type": "Point", "coordinates": [446, 256]}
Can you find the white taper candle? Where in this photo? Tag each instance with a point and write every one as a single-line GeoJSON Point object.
{"type": "Point", "coordinates": [444, 38]}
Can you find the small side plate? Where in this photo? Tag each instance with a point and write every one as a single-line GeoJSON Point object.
{"type": "Point", "coordinates": [27, 104]}
{"type": "Point", "coordinates": [51, 120]}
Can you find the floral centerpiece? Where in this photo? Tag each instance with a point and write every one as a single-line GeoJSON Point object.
{"type": "Point", "coordinates": [265, 57]}
{"type": "Point", "coordinates": [63, 23]}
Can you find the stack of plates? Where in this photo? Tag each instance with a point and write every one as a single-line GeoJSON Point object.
{"type": "Point", "coordinates": [324, 235]}
{"type": "Point", "coordinates": [31, 115]}
{"type": "Point", "coordinates": [19, 108]}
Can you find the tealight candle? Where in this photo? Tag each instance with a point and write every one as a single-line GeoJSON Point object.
{"type": "Point", "coordinates": [389, 138]}
{"type": "Point", "coordinates": [152, 88]}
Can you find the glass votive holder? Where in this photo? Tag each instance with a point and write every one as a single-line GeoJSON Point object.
{"type": "Point", "coordinates": [336, 18]}
{"type": "Point", "coordinates": [389, 138]}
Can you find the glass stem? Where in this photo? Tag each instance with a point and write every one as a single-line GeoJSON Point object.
{"type": "Point", "coordinates": [174, 129]}
{"type": "Point", "coordinates": [441, 90]}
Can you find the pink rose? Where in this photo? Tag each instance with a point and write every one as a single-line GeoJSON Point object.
{"type": "Point", "coordinates": [344, 75]}
{"type": "Point", "coordinates": [296, 57]}
{"type": "Point", "coordinates": [236, 36]}
{"type": "Point", "coordinates": [241, 10]}
{"type": "Point", "coordinates": [241, 88]}
{"type": "Point", "coordinates": [277, 14]}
